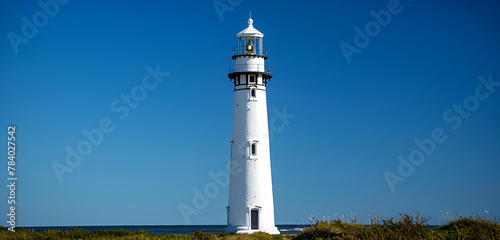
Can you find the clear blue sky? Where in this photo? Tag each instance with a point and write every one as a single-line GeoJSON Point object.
{"type": "Point", "coordinates": [352, 119]}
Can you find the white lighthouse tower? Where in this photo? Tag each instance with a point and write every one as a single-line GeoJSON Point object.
{"type": "Point", "coordinates": [251, 206]}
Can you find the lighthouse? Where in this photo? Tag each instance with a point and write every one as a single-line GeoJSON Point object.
{"type": "Point", "coordinates": [251, 205]}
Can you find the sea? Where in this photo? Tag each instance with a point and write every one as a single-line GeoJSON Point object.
{"type": "Point", "coordinates": [170, 229]}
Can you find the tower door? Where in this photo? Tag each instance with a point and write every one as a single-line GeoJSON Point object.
{"type": "Point", "coordinates": [255, 219]}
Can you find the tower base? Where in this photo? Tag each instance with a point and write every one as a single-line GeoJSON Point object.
{"type": "Point", "coordinates": [232, 229]}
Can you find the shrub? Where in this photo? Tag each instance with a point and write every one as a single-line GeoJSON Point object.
{"type": "Point", "coordinates": [471, 228]}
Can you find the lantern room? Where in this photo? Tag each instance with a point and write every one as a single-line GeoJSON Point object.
{"type": "Point", "coordinates": [250, 42]}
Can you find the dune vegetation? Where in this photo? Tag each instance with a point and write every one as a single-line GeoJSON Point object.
{"type": "Point", "coordinates": [404, 227]}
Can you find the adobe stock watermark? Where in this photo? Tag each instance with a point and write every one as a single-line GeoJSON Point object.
{"type": "Point", "coordinates": [121, 106]}
{"type": "Point", "coordinates": [221, 7]}
{"type": "Point", "coordinates": [426, 147]}
{"type": "Point", "coordinates": [372, 29]}
{"type": "Point", "coordinates": [220, 180]}
{"type": "Point", "coordinates": [49, 9]}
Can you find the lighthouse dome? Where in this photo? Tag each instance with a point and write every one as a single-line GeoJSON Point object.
{"type": "Point", "coordinates": [250, 31]}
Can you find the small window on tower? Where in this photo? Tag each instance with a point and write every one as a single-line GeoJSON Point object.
{"type": "Point", "coordinates": [254, 149]}
{"type": "Point", "coordinates": [252, 93]}
{"type": "Point", "coordinates": [252, 79]}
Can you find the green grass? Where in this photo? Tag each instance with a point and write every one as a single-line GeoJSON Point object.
{"type": "Point", "coordinates": [404, 227]}
{"type": "Point", "coordinates": [78, 233]}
